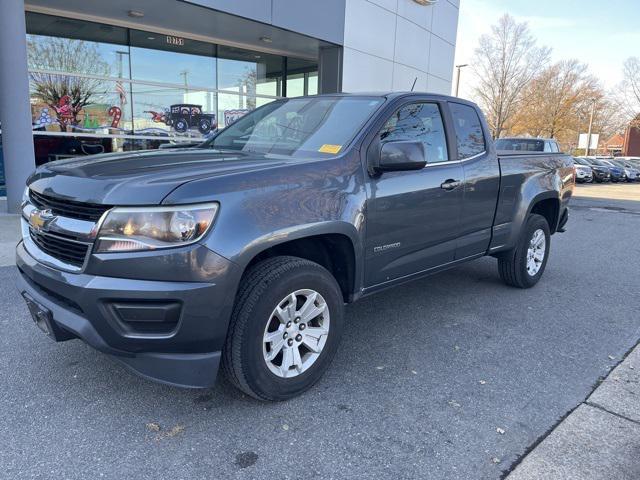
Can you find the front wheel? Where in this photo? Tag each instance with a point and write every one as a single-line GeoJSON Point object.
{"type": "Point", "coordinates": [284, 330]}
{"type": "Point", "coordinates": [523, 266]}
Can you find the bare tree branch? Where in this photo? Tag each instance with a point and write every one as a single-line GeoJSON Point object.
{"type": "Point", "coordinates": [505, 62]}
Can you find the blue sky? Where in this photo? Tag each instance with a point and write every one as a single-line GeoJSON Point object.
{"type": "Point", "coordinates": [601, 33]}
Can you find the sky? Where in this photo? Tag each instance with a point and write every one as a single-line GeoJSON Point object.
{"type": "Point", "coordinates": [600, 33]}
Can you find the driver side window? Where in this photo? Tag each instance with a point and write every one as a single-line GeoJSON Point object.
{"type": "Point", "coordinates": [418, 122]}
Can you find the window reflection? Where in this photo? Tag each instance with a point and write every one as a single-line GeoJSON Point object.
{"type": "Point", "coordinates": [97, 87]}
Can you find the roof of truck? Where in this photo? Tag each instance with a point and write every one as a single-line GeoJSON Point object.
{"type": "Point", "coordinates": [395, 94]}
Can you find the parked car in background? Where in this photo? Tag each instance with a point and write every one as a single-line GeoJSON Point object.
{"type": "Point", "coordinates": [242, 252]}
{"type": "Point", "coordinates": [631, 172]}
{"type": "Point", "coordinates": [617, 173]}
{"type": "Point", "coordinates": [601, 173]}
{"type": "Point", "coordinates": [524, 144]}
{"type": "Point", "coordinates": [584, 172]}
{"type": "Point", "coordinates": [634, 162]}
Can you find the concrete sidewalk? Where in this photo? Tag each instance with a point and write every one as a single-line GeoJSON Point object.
{"type": "Point", "coordinates": [9, 235]}
{"type": "Point", "coordinates": [600, 439]}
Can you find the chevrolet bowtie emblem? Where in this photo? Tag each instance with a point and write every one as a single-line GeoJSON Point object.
{"type": "Point", "coordinates": [39, 218]}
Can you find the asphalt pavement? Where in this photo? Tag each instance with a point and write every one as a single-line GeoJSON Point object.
{"type": "Point", "coordinates": [453, 376]}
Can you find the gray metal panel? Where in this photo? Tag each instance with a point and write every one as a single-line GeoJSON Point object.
{"type": "Point", "coordinates": [330, 68]}
{"type": "Point", "coordinates": [324, 20]}
{"type": "Point", "coordinates": [15, 112]}
{"type": "Point", "coordinates": [254, 9]}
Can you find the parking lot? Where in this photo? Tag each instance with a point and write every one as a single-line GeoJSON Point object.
{"type": "Point", "coordinates": [453, 376]}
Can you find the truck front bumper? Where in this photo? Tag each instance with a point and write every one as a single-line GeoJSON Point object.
{"type": "Point", "coordinates": [168, 331]}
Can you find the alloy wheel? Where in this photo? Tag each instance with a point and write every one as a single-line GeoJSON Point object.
{"type": "Point", "coordinates": [296, 333]}
{"type": "Point", "coordinates": [536, 251]}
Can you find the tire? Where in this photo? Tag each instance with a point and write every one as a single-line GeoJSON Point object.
{"type": "Point", "coordinates": [512, 266]}
{"type": "Point", "coordinates": [263, 288]}
{"type": "Point", "coordinates": [204, 126]}
{"type": "Point", "coordinates": [181, 125]}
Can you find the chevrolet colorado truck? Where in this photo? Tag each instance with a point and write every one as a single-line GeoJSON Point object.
{"type": "Point", "coordinates": [242, 252]}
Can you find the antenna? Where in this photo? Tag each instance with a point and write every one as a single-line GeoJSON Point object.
{"type": "Point", "coordinates": [414, 83]}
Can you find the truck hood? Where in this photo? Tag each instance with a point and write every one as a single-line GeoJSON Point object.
{"type": "Point", "coordinates": [142, 178]}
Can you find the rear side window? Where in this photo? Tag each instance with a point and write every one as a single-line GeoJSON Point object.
{"type": "Point", "coordinates": [469, 133]}
{"type": "Point", "coordinates": [526, 145]}
{"type": "Point", "coordinates": [419, 122]}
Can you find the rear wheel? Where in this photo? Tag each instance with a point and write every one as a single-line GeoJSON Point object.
{"type": "Point", "coordinates": [284, 330]}
{"type": "Point", "coordinates": [181, 125]}
{"type": "Point", "coordinates": [523, 266]}
{"type": "Point", "coordinates": [204, 126]}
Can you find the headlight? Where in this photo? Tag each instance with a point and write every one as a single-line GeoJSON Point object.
{"type": "Point", "coordinates": [129, 229]}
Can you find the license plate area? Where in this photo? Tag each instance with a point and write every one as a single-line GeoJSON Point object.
{"type": "Point", "coordinates": [43, 318]}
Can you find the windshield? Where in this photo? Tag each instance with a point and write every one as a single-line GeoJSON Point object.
{"type": "Point", "coordinates": [526, 145]}
{"type": "Point", "coordinates": [580, 161]}
{"type": "Point", "coordinates": [298, 126]}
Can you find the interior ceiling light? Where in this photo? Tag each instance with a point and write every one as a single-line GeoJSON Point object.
{"type": "Point", "coordinates": [135, 13]}
{"type": "Point", "coordinates": [266, 39]}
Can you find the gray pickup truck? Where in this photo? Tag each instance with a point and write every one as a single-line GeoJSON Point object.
{"type": "Point", "coordinates": [243, 251]}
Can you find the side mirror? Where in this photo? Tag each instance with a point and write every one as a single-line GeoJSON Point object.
{"type": "Point", "coordinates": [401, 156]}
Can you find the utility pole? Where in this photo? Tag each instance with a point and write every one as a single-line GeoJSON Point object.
{"type": "Point", "coordinates": [184, 74]}
{"type": "Point", "coordinates": [459, 68]}
{"type": "Point", "coordinates": [593, 111]}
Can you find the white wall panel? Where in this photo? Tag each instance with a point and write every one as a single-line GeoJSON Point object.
{"type": "Point", "coordinates": [441, 58]}
{"type": "Point", "coordinates": [416, 13]}
{"type": "Point", "coordinates": [387, 50]}
{"type": "Point", "coordinates": [412, 45]}
{"type": "Point", "coordinates": [445, 21]}
{"type": "Point", "coordinates": [365, 73]}
{"type": "Point", "coordinates": [437, 85]}
{"type": "Point", "coordinates": [369, 28]}
{"type": "Point", "coordinates": [391, 5]}
{"type": "Point", "coordinates": [403, 78]}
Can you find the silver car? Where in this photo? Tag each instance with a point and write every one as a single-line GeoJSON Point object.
{"type": "Point", "coordinates": [584, 172]}
{"type": "Point", "coordinates": [631, 172]}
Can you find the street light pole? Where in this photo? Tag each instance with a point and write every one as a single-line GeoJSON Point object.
{"type": "Point", "coordinates": [593, 110]}
{"type": "Point", "coordinates": [459, 67]}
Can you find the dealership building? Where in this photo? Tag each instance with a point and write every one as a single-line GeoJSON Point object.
{"type": "Point", "coordinates": [79, 77]}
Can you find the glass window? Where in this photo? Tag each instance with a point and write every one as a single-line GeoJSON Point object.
{"type": "Point", "coordinates": [470, 137]}
{"type": "Point", "coordinates": [299, 126]}
{"type": "Point", "coordinates": [302, 77]}
{"type": "Point", "coordinates": [246, 74]}
{"type": "Point", "coordinates": [421, 122]}
{"type": "Point", "coordinates": [116, 83]}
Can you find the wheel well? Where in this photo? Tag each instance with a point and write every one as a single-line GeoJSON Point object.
{"type": "Point", "coordinates": [549, 209]}
{"type": "Point", "coordinates": [333, 251]}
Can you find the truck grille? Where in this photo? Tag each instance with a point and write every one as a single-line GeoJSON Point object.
{"type": "Point", "coordinates": [63, 249]}
{"type": "Point", "coordinates": [67, 208]}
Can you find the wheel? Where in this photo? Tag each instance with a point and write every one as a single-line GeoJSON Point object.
{"type": "Point", "coordinates": [204, 126]}
{"type": "Point", "coordinates": [181, 125]}
{"type": "Point", "coordinates": [523, 266]}
{"type": "Point", "coordinates": [284, 330]}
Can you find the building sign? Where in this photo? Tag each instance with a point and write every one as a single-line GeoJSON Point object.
{"type": "Point", "coordinates": [177, 41]}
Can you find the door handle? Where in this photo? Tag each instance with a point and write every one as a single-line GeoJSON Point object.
{"type": "Point", "coordinates": [450, 184]}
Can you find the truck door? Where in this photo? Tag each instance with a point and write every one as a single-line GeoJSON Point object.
{"type": "Point", "coordinates": [413, 217]}
{"type": "Point", "coordinates": [481, 181]}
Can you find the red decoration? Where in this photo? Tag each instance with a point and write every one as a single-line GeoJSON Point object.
{"type": "Point", "coordinates": [115, 113]}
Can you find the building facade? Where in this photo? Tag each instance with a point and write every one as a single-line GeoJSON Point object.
{"type": "Point", "coordinates": [82, 77]}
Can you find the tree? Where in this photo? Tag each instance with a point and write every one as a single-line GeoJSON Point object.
{"type": "Point", "coordinates": [505, 62]}
{"type": "Point", "coordinates": [555, 101]}
{"type": "Point", "coordinates": [65, 55]}
{"type": "Point", "coordinates": [630, 89]}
